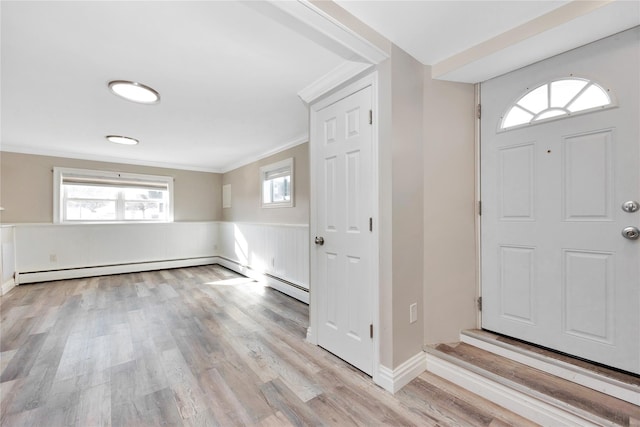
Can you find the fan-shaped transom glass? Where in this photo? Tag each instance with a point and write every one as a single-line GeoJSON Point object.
{"type": "Point", "coordinates": [555, 99]}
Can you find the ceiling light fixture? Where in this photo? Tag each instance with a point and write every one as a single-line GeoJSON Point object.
{"type": "Point", "coordinates": [134, 91]}
{"type": "Point", "coordinates": [124, 140]}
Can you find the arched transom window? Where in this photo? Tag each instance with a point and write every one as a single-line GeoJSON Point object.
{"type": "Point", "coordinates": [555, 99]}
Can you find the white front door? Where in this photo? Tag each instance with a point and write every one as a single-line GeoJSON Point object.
{"type": "Point", "coordinates": [556, 269]}
{"type": "Point", "coordinates": [343, 202]}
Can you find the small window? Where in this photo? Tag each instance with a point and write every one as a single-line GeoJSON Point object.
{"type": "Point", "coordinates": [100, 196]}
{"type": "Point", "coordinates": [556, 99]}
{"type": "Point", "coordinates": [277, 184]}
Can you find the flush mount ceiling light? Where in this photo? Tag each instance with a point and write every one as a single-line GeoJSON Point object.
{"type": "Point", "coordinates": [124, 140]}
{"type": "Point", "coordinates": [134, 91]}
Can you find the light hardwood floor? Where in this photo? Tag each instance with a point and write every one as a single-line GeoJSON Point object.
{"type": "Point", "coordinates": [195, 346]}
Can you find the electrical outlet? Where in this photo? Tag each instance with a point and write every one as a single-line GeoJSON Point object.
{"type": "Point", "coordinates": [53, 258]}
{"type": "Point", "coordinates": [413, 312]}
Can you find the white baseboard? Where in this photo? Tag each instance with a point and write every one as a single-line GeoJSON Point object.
{"type": "Point", "coordinates": [514, 400]}
{"type": "Point", "coordinates": [7, 286]}
{"type": "Point", "coordinates": [271, 281]}
{"type": "Point", "coordinates": [394, 380]}
{"type": "Point", "coordinates": [311, 337]}
{"type": "Point", "coordinates": [75, 273]}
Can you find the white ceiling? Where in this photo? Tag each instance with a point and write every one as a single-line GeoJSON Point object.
{"type": "Point", "coordinates": [228, 76]}
{"type": "Point", "coordinates": [229, 73]}
{"type": "Point", "coordinates": [473, 41]}
{"type": "Point", "coordinates": [432, 31]}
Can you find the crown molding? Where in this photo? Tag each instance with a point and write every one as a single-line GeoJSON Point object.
{"type": "Point", "coordinates": [318, 21]}
{"type": "Point", "coordinates": [100, 158]}
{"type": "Point", "coordinates": [293, 143]}
{"type": "Point", "coordinates": [339, 75]}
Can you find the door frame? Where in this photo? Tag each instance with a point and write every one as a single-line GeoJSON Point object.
{"type": "Point", "coordinates": [478, 201]}
{"type": "Point", "coordinates": [335, 96]}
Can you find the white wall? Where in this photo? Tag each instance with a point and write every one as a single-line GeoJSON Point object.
{"type": "Point", "coordinates": [7, 258]}
{"type": "Point", "coordinates": [278, 254]}
{"type": "Point", "coordinates": [280, 250]}
{"type": "Point", "coordinates": [42, 248]}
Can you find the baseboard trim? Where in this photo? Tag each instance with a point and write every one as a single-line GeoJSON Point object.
{"type": "Point", "coordinates": [514, 400]}
{"type": "Point", "coordinates": [274, 282]}
{"type": "Point", "coordinates": [76, 273]}
{"type": "Point", "coordinates": [7, 286]}
{"type": "Point", "coordinates": [279, 284]}
{"type": "Point", "coordinates": [394, 380]}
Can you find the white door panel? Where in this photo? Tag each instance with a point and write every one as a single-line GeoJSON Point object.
{"type": "Point", "coordinates": [556, 270]}
{"type": "Point", "coordinates": [344, 205]}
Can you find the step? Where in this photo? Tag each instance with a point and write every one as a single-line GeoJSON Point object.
{"type": "Point", "coordinates": [609, 381]}
{"type": "Point", "coordinates": [534, 394]}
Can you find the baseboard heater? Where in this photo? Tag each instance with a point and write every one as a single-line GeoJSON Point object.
{"type": "Point", "coordinates": [286, 287]}
{"type": "Point", "coordinates": [289, 288]}
{"type": "Point", "coordinates": [105, 270]}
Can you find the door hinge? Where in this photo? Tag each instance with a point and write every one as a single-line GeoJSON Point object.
{"type": "Point", "coordinates": [479, 207]}
{"type": "Point", "coordinates": [479, 301]}
{"type": "Point", "coordinates": [370, 117]}
{"type": "Point", "coordinates": [371, 330]}
{"type": "Point", "coordinates": [479, 111]}
{"type": "Point", "coordinates": [370, 224]}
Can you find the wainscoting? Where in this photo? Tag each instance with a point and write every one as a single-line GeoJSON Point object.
{"type": "Point", "coordinates": [274, 253]}
{"type": "Point", "coordinates": [7, 259]}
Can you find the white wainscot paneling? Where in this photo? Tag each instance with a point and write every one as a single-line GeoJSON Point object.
{"type": "Point", "coordinates": [274, 253]}
{"type": "Point", "coordinates": [43, 248]}
{"type": "Point", "coordinates": [7, 258]}
{"type": "Point", "coordinates": [279, 250]}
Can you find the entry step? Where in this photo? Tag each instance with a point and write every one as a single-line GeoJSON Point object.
{"type": "Point", "coordinates": [532, 393]}
{"type": "Point", "coordinates": [615, 383]}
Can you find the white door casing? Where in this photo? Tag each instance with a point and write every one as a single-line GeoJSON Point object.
{"type": "Point", "coordinates": [343, 268]}
{"type": "Point", "coordinates": [556, 270]}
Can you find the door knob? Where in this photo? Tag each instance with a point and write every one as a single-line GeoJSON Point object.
{"type": "Point", "coordinates": [630, 206]}
{"type": "Point", "coordinates": [319, 240]}
{"type": "Point", "coordinates": [631, 233]}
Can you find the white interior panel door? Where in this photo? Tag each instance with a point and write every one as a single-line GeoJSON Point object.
{"type": "Point", "coordinates": [343, 243]}
{"type": "Point", "coordinates": [556, 268]}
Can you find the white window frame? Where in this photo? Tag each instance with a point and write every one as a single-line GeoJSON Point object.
{"type": "Point", "coordinates": [274, 167]}
{"type": "Point", "coordinates": [60, 173]}
{"type": "Point", "coordinates": [589, 82]}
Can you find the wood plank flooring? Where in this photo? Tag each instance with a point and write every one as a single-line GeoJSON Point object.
{"type": "Point", "coordinates": [195, 347]}
{"type": "Point", "coordinates": [590, 403]}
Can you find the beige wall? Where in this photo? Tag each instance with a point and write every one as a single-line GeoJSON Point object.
{"type": "Point", "coordinates": [26, 187]}
{"type": "Point", "coordinates": [407, 203]}
{"type": "Point", "coordinates": [449, 214]}
{"type": "Point", "coordinates": [385, 208]}
{"type": "Point", "coordinates": [426, 190]}
{"type": "Point", "coordinates": [245, 191]}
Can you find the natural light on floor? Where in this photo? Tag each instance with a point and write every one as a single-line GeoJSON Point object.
{"type": "Point", "coordinates": [231, 282]}
{"type": "Point", "coordinates": [255, 286]}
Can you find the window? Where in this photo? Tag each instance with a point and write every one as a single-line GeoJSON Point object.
{"type": "Point", "coordinates": [556, 99]}
{"type": "Point", "coordinates": [277, 184]}
{"type": "Point", "coordinates": [100, 196]}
